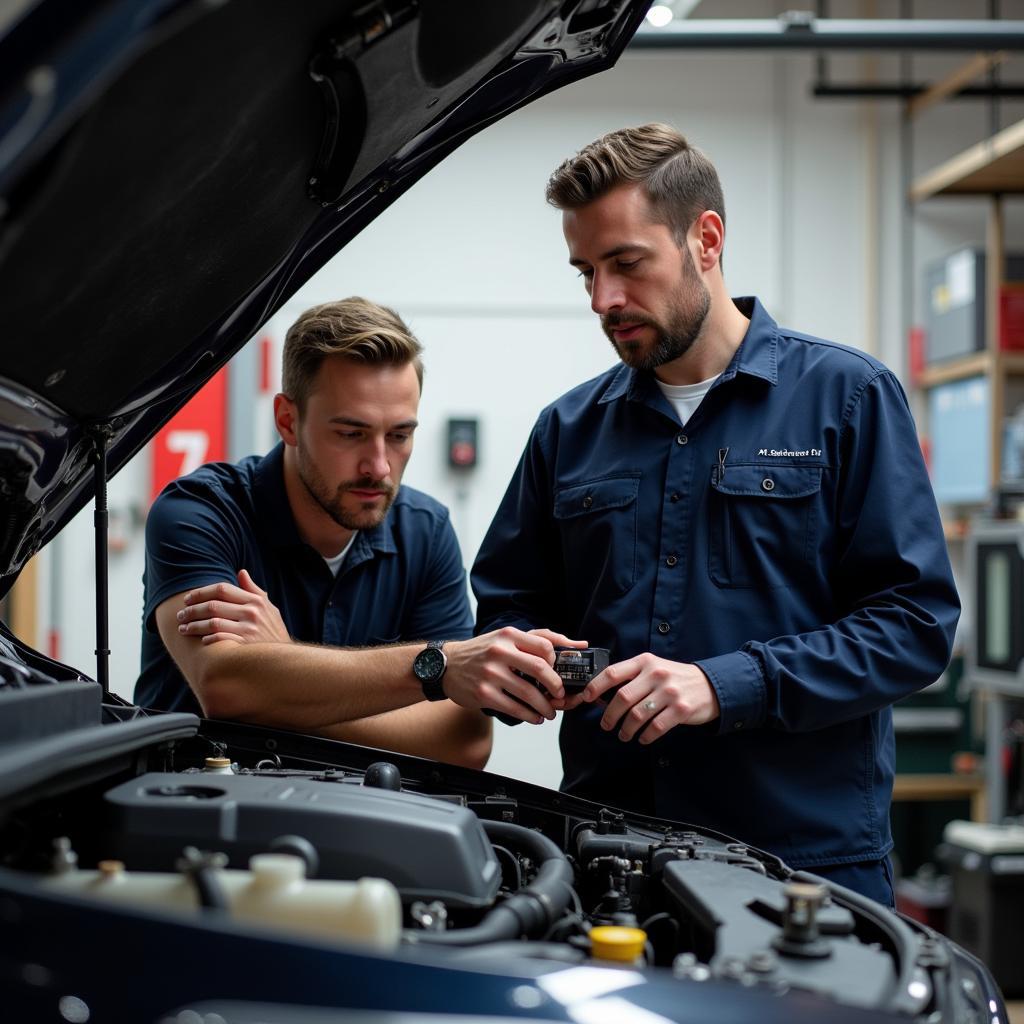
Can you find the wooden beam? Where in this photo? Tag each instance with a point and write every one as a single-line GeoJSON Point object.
{"type": "Point", "coordinates": [995, 250]}
{"type": "Point", "coordinates": [977, 66]}
{"type": "Point", "coordinates": [973, 365]}
{"type": "Point", "coordinates": [24, 605]}
{"type": "Point", "coordinates": [994, 165]}
{"type": "Point", "coordinates": [943, 787]}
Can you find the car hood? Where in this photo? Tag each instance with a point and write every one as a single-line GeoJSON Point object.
{"type": "Point", "coordinates": [171, 172]}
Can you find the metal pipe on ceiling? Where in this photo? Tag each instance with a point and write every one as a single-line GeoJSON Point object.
{"type": "Point", "coordinates": [802, 31]}
{"type": "Point", "coordinates": [876, 91]}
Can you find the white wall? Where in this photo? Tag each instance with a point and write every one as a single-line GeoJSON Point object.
{"type": "Point", "coordinates": [474, 260]}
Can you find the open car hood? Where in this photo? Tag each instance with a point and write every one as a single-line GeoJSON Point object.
{"type": "Point", "coordinates": [171, 172]}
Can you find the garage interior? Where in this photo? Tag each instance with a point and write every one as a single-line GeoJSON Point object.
{"type": "Point", "coordinates": [872, 156]}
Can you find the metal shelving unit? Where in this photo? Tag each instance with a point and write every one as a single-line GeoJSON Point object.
{"type": "Point", "coordinates": [991, 169]}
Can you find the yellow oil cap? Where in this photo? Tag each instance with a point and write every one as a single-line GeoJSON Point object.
{"type": "Point", "coordinates": [613, 942]}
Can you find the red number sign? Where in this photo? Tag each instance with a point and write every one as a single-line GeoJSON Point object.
{"type": "Point", "coordinates": [196, 434]}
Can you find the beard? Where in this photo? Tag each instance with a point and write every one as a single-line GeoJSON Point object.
{"type": "Point", "coordinates": [366, 516]}
{"type": "Point", "coordinates": [688, 309]}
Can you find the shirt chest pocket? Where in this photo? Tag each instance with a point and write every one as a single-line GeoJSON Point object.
{"type": "Point", "coordinates": [764, 523]}
{"type": "Point", "coordinates": [597, 520]}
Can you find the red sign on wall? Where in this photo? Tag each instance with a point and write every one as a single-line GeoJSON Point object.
{"type": "Point", "coordinates": [197, 433]}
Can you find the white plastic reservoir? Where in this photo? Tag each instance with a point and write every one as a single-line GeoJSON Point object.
{"type": "Point", "coordinates": [273, 892]}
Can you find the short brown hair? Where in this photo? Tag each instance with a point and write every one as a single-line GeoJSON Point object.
{"type": "Point", "coordinates": [354, 328]}
{"type": "Point", "coordinates": [680, 181]}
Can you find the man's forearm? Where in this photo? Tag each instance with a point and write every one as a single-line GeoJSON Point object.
{"type": "Point", "coordinates": [307, 687]}
{"type": "Point", "coordinates": [299, 686]}
{"type": "Point", "coordinates": [441, 731]}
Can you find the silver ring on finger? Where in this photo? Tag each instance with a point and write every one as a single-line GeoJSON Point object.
{"type": "Point", "coordinates": [650, 705]}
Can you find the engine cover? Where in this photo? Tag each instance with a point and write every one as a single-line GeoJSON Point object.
{"type": "Point", "coordinates": [427, 848]}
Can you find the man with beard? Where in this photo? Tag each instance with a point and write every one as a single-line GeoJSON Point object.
{"type": "Point", "coordinates": [741, 514]}
{"type": "Point", "coordinates": [263, 576]}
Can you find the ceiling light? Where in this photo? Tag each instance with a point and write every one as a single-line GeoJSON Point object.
{"type": "Point", "coordinates": [659, 15]}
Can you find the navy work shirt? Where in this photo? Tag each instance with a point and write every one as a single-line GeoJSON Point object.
{"type": "Point", "coordinates": [786, 540]}
{"type": "Point", "coordinates": [402, 580]}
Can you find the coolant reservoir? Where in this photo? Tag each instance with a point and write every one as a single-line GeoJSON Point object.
{"type": "Point", "coordinates": [273, 892]}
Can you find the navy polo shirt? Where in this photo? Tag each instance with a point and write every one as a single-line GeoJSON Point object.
{"type": "Point", "coordinates": [786, 540]}
{"type": "Point", "coordinates": [402, 580]}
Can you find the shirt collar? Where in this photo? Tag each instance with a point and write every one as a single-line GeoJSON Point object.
{"type": "Point", "coordinates": [275, 513]}
{"type": "Point", "coordinates": [757, 356]}
{"type": "Point", "coordinates": [381, 538]}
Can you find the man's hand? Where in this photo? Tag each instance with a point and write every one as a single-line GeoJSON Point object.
{"type": "Point", "coordinates": [222, 611]}
{"type": "Point", "coordinates": [654, 694]}
{"type": "Point", "coordinates": [480, 671]}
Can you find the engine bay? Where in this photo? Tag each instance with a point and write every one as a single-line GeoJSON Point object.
{"type": "Point", "coordinates": [212, 859]}
{"type": "Point", "coordinates": [395, 855]}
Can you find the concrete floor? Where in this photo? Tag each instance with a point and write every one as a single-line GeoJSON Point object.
{"type": "Point", "coordinates": [1016, 1010]}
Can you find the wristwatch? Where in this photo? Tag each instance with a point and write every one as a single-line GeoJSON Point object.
{"type": "Point", "coordinates": [429, 667]}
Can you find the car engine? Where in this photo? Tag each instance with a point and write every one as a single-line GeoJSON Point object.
{"type": "Point", "coordinates": [210, 826]}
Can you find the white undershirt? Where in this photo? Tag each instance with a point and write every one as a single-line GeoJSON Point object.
{"type": "Point", "coordinates": [334, 564]}
{"type": "Point", "coordinates": [685, 398]}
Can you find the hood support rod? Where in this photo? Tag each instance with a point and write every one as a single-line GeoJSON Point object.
{"type": "Point", "coordinates": [100, 435]}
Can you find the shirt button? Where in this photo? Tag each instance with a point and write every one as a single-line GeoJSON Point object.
{"type": "Point", "coordinates": [663, 628]}
{"type": "Point", "coordinates": [671, 560]}
{"type": "Point", "coordinates": [738, 725]}
{"type": "Point", "coordinates": [681, 439]}
{"type": "Point", "coordinates": [588, 501]}
{"type": "Point", "coordinates": [673, 497]}
{"type": "Point", "coordinates": [663, 762]}
{"type": "Point", "coordinates": [330, 604]}
{"type": "Point", "coordinates": [768, 484]}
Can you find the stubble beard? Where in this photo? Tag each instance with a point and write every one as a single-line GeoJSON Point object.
{"type": "Point", "coordinates": [689, 311]}
{"type": "Point", "coordinates": [332, 501]}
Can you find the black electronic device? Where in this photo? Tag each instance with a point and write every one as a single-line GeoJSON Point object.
{"type": "Point", "coordinates": [575, 667]}
{"type": "Point", "coordinates": [995, 651]}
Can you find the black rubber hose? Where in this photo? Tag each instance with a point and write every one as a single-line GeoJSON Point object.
{"type": "Point", "coordinates": [529, 912]}
{"type": "Point", "coordinates": [211, 895]}
{"type": "Point", "coordinates": [198, 867]}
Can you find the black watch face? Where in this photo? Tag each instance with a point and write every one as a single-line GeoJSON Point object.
{"type": "Point", "coordinates": [429, 664]}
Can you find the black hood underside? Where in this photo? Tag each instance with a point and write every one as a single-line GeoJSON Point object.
{"type": "Point", "coordinates": [171, 172]}
{"type": "Point", "coordinates": [189, 180]}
